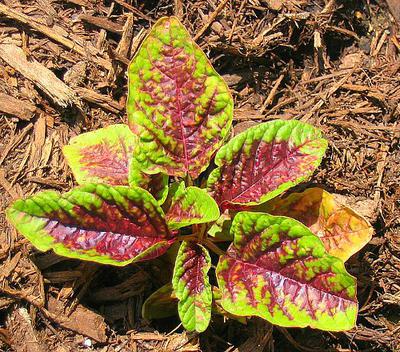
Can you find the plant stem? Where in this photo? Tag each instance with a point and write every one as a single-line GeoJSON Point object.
{"type": "Point", "coordinates": [214, 247]}
{"type": "Point", "coordinates": [188, 181]}
{"type": "Point", "coordinates": [216, 240]}
{"type": "Point", "coordinates": [202, 232]}
{"type": "Point", "coordinates": [187, 237]}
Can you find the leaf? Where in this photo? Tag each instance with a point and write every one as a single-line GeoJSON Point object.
{"type": "Point", "coordinates": [220, 229]}
{"type": "Point", "coordinates": [107, 156]}
{"type": "Point", "coordinates": [101, 156]}
{"type": "Point", "coordinates": [342, 231]}
{"type": "Point", "coordinates": [191, 285]}
{"type": "Point", "coordinates": [161, 304]}
{"type": "Point", "coordinates": [264, 161]}
{"type": "Point", "coordinates": [217, 308]}
{"type": "Point", "coordinates": [156, 184]}
{"type": "Point", "coordinates": [178, 105]}
{"type": "Point", "coordinates": [191, 205]}
{"type": "Point", "coordinates": [105, 224]}
{"type": "Point", "coordinates": [278, 270]}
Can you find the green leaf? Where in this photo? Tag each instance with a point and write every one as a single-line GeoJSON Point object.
{"type": "Point", "coordinates": [191, 205]}
{"type": "Point", "coordinates": [264, 161]}
{"type": "Point", "coordinates": [161, 304]}
{"type": "Point", "coordinates": [342, 231]}
{"type": "Point", "coordinates": [217, 307]}
{"type": "Point", "coordinates": [192, 287]}
{"type": "Point", "coordinates": [101, 156]}
{"type": "Point", "coordinates": [178, 105]}
{"type": "Point", "coordinates": [156, 184]}
{"type": "Point", "coordinates": [220, 229]}
{"type": "Point", "coordinates": [96, 222]}
{"type": "Point", "coordinates": [278, 270]}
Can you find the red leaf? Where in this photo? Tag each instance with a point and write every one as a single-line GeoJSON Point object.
{"type": "Point", "coordinates": [102, 156]}
{"type": "Point", "coordinates": [110, 225]}
{"type": "Point", "coordinates": [178, 105]}
{"type": "Point", "coordinates": [192, 287]}
{"type": "Point", "coordinates": [264, 161]}
{"type": "Point", "coordinates": [278, 270]}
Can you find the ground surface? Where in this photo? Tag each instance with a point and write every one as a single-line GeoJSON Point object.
{"type": "Point", "coordinates": [331, 63]}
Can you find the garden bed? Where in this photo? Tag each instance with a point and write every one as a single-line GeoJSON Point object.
{"type": "Point", "coordinates": [63, 72]}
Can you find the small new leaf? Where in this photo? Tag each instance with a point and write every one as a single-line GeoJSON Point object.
{"type": "Point", "coordinates": [278, 270]}
{"type": "Point", "coordinates": [178, 105]}
{"type": "Point", "coordinates": [220, 229]}
{"type": "Point", "coordinates": [161, 304]}
{"type": "Point", "coordinates": [156, 184]}
{"type": "Point", "coordinates": [189, 206]}
{"type": "Point", "coordinates": [342, 231]}
{"type": "Point", "coordinates": [192, 287]}
{"type": "Point", "coordinates": [105, 224]}
{"type": "Point", "coordinates": [264, 161]}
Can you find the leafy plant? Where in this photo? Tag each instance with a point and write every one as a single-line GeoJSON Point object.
{"type": "Point", "coordinates": [285, 262]}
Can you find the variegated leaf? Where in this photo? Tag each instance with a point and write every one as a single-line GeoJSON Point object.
{"type": "Point", "coordinates": [178, 105]}
{"type": "Point", "coordinates": [278, 270]}
{"type": "Point", "coordinates": [189, 206]}
{"type": "Point", "coordinates": [192, 287]}
{"type": "Point", "coordinates": [105, 224]}
{"type": "Point", "coordinates": [264, 161]}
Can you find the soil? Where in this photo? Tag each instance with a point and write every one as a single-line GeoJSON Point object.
{"type": "Point", "coordinates": [334, 64]}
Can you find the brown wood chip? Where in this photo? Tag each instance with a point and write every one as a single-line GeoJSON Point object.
{"type": "Point", "coordinates": [81, 320]}
{"type": "Point", "coordinates": [22, 109]}
{"type": "Point", "coordinates": [41, 76]}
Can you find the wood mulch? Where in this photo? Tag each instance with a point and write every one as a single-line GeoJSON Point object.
{"type": "Point", "coordinates": [333, 63]}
